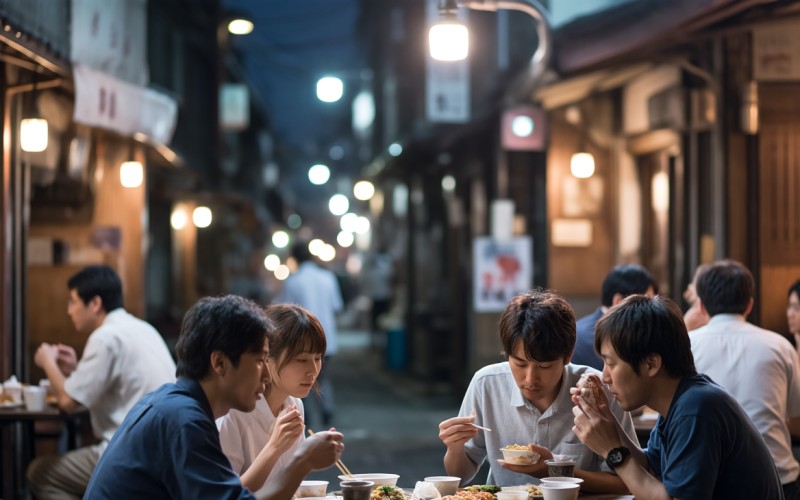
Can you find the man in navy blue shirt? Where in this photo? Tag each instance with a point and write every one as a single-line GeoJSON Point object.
{"type": "Point", "coordinates": [703, 446]}
{"type": "Point", "coordinates": [621, 281]}
{"type": "Point", "coordinates": [168, 445]}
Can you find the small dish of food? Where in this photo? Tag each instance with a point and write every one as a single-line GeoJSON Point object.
{"type": "Point", "coordinates": [594, 388]}
{"type": "Point", "coordinates": [519, 454]}
{"type": "Point", "coordinates": [387, 493]}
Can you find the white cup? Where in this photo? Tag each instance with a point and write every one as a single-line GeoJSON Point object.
{"type": "Point", "coordinates": [34, 398]}
{"type": "Point", "coordinates": [312, 489]}
{"type": "Point", "coordinates": [560, 491]}
{"type": "Point", "coordinates": [512, 495]}
{"type": "Point", "coordinates": [13, 392]}
{"type": "Point", "coordinates": [446, 485]}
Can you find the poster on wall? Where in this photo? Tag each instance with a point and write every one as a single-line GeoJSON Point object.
{"type": "Point", "coordinates": [501, 269]}
{"type": "Point", "coordinates": [776, 52]}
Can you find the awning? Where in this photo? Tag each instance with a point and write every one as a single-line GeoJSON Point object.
{"type": "Point", "coordinates": [598, 39]}
{"type": "Point", "coordinates": [107, 102]}
{"type": "Point", "coordinates": [571, 90]}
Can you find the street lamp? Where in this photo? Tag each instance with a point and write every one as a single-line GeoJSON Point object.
{"type": "Point", "coordinates": [449, 38]}
{"type": "Point", "coordinates": [330, 89]}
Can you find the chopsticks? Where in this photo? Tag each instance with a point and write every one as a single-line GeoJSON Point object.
{"type": "Point", "coordinates": [339, 464]}
{"type": "Point", "coordinates": [472, 414]}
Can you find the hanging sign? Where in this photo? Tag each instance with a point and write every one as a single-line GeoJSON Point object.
{"type": "Point", "coordinates": [107, 102]}
{"type": "Point", "coordinates": [447, 91]}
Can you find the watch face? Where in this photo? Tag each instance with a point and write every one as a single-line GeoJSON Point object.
{"type": "Point", "coordinates": [616, 457]}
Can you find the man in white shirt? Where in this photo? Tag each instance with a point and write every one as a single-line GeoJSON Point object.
{"type": "Point", "coordinates": [526, 400]}
{"type": "Point", "coordinates": [758, 367]}
{"type": "Point", "coordinates": [124, 359]}
{"type": "Point", "coordinates": [317, 290]}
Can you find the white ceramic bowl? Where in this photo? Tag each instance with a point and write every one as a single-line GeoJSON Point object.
{"type": "Point", "coordinates": [446, 485]}
{"type": "Point", "coordinates": [312, 489]}
{"type": "Point", "coordinates": [560, 491]}
{"type": "Point", "coordinates": [379, 479]}
{"type": "Point", "coordinates": [562, 479]}
{"type": "Point", "coordinates": [520, 457]}
{"type": "Point", "coordinates": [512, 495]}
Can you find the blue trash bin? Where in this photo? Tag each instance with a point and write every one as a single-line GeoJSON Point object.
{"type": "Point", "coordinates": [396, 348]}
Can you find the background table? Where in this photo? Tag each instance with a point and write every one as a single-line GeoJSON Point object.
{"type": "Point", "coordinates": [643, 424]}
{"type": "Point", "coordinates": [17, 427]}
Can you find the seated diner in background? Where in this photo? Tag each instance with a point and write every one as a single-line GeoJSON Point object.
{"type": "Point", "coordinates": [124, 358]}
{"type": "Point", "coordinates": [168, 445]}
{"type": "Point", "coordinates": [526, 400]}
{"type": "Point", "coordinates": [704, 446]}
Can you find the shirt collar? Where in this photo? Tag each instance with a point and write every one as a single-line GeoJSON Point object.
{"type": "Point", "coordinates": [518, 400]}
{"type": "Point", "coordinates": [196, 392]}
{"type": "Point", "coordinates": [725, 318]}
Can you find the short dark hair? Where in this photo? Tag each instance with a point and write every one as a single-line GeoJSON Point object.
{"type": "Point", "coordinates": [795, 288]}
{"type": "Point", "coordinates": [626, 279]}
{"type": "Point", "coordinates": [640, 326]}
{"type": "Point", "coordinates": [98, 281]}
{"type": "Point", "coordinates": [300, 252]}
{"type": "Point", "coordinates": [543, 321]}
{"type": "Point", "coordinates": [231, 324]}
{"type": "Point", "coordinates": [725, 287]}
{"type": "Point", "coordinates": [295, 330]}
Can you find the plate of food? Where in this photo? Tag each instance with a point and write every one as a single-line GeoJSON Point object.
{"type": "Point", "coordinates": [388, 493]}
{"type": "Point", "coordinates": [534, 492]}
{"type": "Point", "coordinates": [475, 492]}
{"type": "Point", "coordinates": [10, 403]}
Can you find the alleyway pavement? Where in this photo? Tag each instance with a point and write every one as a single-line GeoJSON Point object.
{"type": "Point", "coordinates": [390, 421]}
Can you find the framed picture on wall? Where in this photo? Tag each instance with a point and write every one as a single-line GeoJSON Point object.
{"type": "Point", "coordinates": [501, 269]}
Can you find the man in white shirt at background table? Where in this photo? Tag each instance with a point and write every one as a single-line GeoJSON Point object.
{"type": "Point", "coordinates": [758, 367]}
{"type": "Point", "coordinates": [124, 359]}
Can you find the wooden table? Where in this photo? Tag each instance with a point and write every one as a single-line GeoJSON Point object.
{"type": "Point", "coordinates": [17, 427]}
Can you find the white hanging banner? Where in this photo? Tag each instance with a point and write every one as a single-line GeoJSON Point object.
{"type": "Point", "coordinates": [111, 36]}
{"type": "Point", "coordinates": [107, 102]}
{"type": "Point", "coordinates": [447, 91]}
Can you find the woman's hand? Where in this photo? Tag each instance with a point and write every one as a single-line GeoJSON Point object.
{"type": "Point", "coordinates": [288, 427]}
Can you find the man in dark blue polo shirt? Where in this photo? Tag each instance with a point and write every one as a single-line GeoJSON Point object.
{"type": "Point", "coordinates": [703, 446]}
{"type": "Point", "coordinates": [168, 445]}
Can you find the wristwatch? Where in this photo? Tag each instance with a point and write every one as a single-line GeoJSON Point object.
{"type": "Point", "coordinates": [617, 456]}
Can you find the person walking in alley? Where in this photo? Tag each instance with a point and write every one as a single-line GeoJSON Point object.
{"type": "Point", "coordinates": [124, 359]}
{"type": "Point", "coordinates": [621, 281]}
{"type": "Point", "coordinates": [527, 400]}
{"type": "Point", "coordinates": [317, 290]}
{"type": "Point", "coordinates": [760, 368]}
{"type": "Point", "coordinates": [378, 275]}
{"type": "Point", "coordinates": [260, 443]}
{"type": "Point", "coordinates": [168, 445]}
{"type": "Point", "coordinates": [703, 446]}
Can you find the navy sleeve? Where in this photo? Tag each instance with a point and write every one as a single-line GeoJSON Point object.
{"type": "Point", "coordinates": [692, 458]}
{"type": "Point", "coordinates": [198, 468]}
{"type": "Point", "coordinates": [653, 451]}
